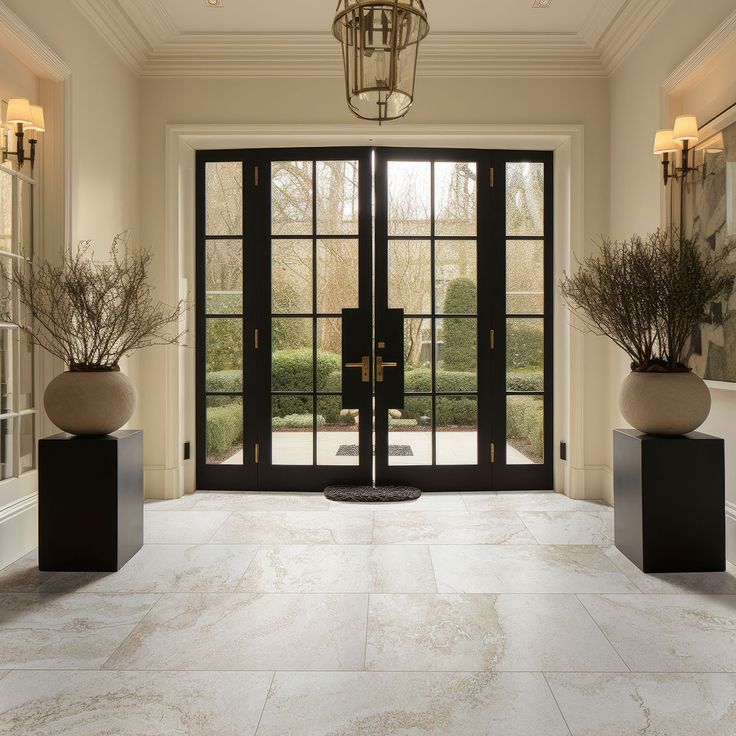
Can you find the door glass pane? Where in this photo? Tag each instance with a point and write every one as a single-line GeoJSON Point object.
{"type": "Point", "coordinates": [291, 198]}
{"type": "Point", "coordinates": [457, 430]}
{"type": "Point", "coordinates": [292, 430]}
{"type": "Point", "coordinates": [525, 198]}
{"type": "Point", "coordinates": [25, 226]}
{"type": "Point", "coordinates": [337, 197]}
{"type": "Point", "coordinates": [7, 448]}
{"type": "Point", "coordinates": [27, 442]}
{"type": "Point", "coordinates": [456, 277]}
{"type": "Point", "coordinates": [525, 354]}
{"type": "Point", "coordinates": [456, 353]}
{"type": "Point", "coordinates": [337, 433]}
{"type": "Point", "coordinates": [224, 354]}
{"type": "Point", "coordinates": [224, 276]}
{"type": "Point", "coordinates": [6, 211]}
{"type": "Point", "coordinates": [224, 430]}
{"type": "Point", "coordinates": [25, 393]}
{"type": "Point", "coordinates": [224, 198]}
{"type": "Point", "coordinates": [337, 275]}
{"type": "Point", "coordinates": [409, 197]}
{"type": "Point", "coordinates": [410, 276]}
{"type": "Point", "coordinates": [524, 430]}
{"type": "Point", "coordinates": [417, 355]}
{"type": "Point", "coordinates": [455, 198]}
{"type": "Point", "coordinates": [291, 362]}
{"type": "Point", "coordinates": [6, 370]}
{"type": "Point", "coordinates": [525, 276]}
{"type": "Point", "coordinates": [329, 354]}
{"type": "Point", "coordinates": [291, 274]}
{"type": "Point", "coordinates": [410, 432]}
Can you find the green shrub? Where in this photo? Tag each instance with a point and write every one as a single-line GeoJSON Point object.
{"type": "Point", "coordinates": [224, 429]}
{"type": "Point", "coordinates": [296, 421]}
{"type": "Point", "coordinates": [224, 381]}
{"type": "Point", "coordinates": [525, 344]}
{"type": "Point", "coordinates": [525, 420]}
{"type": "Point", "coordinates": [401, 422]}
{"type": "Point", "coordinates": [291, 370]}
{"type": "Point", "coordinates": [224, 345]}
{"type": "Point", "coordinates": [525, 380]}
{"type": "Point", "coordinates": [459, 349]}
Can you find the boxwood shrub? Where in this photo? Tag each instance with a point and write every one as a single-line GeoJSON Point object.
{"type": "Point", "coordinates": [224, 428]}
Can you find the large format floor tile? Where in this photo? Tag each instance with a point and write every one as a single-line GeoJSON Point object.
{"type": "Point", "coordinates": [570, 527]}
{"type": "Point", "coordinates": [76, 631]}
{"type": "Point", "coordinates": [527, 501]}
{"type": "Point", "coordinates": [132, 703]}
{"type": "Point", "coordinates": [181, 527]}
{"type": "Point", "coordinates": [256, 501]}
{"type": "Point", "coordinates": [625, 705]}
{"type": "Point", "coordinates": [346, 568]}
{"type": "Point", "coordinates": [23, 575]}
{"type": "Point", "coordinates": [410, 704]}
{"type": "Point", "coordinates": [239, 631]}
{"type": "Point", "coordinates": [485, 633]}
{"type": "Point", "coordinates": [526, 569]}
{"type": "Point", "coordinates": [669, 633]}
{"type": "Point", "coordinates": [296, 527]}
{"type": "Point", "coordinates": [426, 502]}
{"type": "Point", "coordinates": [450, 527]}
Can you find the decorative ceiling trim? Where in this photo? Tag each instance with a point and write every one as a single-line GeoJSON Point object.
{"type": "Point", "coordinates": [145, 36]}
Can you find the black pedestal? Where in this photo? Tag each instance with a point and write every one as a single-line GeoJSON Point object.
{"type": "Point", "coordinates": [669, 501]}
{"type": "Point", "coordinates": [90, 501]}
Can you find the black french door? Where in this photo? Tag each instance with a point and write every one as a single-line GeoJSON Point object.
{"type": "Point", "coordinates": [374, 316]}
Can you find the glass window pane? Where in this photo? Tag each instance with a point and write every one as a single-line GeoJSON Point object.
{"type": "Point", "coordinates": [337, 433]}
{"type": "Point", "coordinates": [6, 370]}
{"type": "Point", "coordinates": [292, 430]}
{"type": "Point", "coordinates": [524, 198]}
{"type": "Point", "coordinates": [525, 354]}
{"type": "Point", "coordinates": [224, 198]}
{"type": "Point", "coordinates": [455, 276]}
{"type": "Point", "coordinates": [337, 197]}
{"type": "Point", "coordinates": [410, 432]}
{"type": "Point", "coordinates": [291, 276]}
{"type": "Point", "coordinates": [6, 211]}
{"type": "Point", "coordinates": [455, 198]}
{"type": "Point", "coordinates": [409, 197]}
{"type": "Point", "coordinates": [457, 430]}
{"type": "Point", "coordinates": [525, 277]}
{"type": "Point", "coordinates": [457, 354]}
{"type": "Point", "coordinates": [25, 226]}
{"type": "Point", "coordinates": [291, 361]}
{"type": "Point", "coordinates": [291, 197]}
{"type": "Point", "coordinates": [27, 442]}
{"type": "Point", "coordinates": [224, 276]}
{"type": "Point", "coordinates": [418, 355]}
{"type": "Point", "coordinates": [410, 276]}
{"type": "Point", "coordinates": [7, 448]}
{"type": "Point", "coordinates": [224, 430]}
{"type": "Point", "coordinates": [224, 354]}
{"type": "Point", "coordinates": [337, 275]}
{"type": "Point", "coordinates": [524, 430]}
{"type": "Point", "coordinates": [329, 354]}
{"type": "Point", "coordinates": [25, 392]}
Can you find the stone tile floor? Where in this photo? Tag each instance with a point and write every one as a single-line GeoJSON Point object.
{"type": "Point", "coordinates": [456, 614]}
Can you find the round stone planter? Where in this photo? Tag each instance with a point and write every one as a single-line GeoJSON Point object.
{"type": "Point", "coordinates": [668, 404]}
{"type": "Point", "coordinates": [90, 402]}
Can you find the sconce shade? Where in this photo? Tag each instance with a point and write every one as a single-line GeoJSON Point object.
{"type": "Point", "coordinates": [380, 43]}
{"type": "Point", "coordinates": [686, 128]}
{"type": "Point", "coordinates": [19, 111]}
{"type": "Point", "coordinates": [715, 144]}
{"type": "Point", "coordinates": [38, 123]}
{"type": "Point", "coordinates": [664, 142]}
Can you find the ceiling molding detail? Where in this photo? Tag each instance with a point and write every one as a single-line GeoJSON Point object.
{"type": "Point", "coordinates": [146, 37]}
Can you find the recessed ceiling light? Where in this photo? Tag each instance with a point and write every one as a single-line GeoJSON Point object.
{"type": "Point", "coordinates": [542, 3]}
{"type": "Point", "coordinates": [214, 3]}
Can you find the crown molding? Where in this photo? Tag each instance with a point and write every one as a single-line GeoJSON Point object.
{"type": "Point", "coordinates": [601, 17]}
{"type": "Point", "coordinates": [30, 48]}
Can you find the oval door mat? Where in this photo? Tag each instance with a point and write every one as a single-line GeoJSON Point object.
{"type": "Point", "coordinates": [387, 494]}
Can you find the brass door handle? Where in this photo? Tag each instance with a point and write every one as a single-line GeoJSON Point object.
{"type": "Point", "coordinates": [380, 365]}
{"type": "Point", "coordinates": [365, 367]}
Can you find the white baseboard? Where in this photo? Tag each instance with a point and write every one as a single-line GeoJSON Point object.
{"type": "Point", "coordinates": [161, 482]}
{"type": "Point", "coordinates": [731, 532]}
{"type": "Point", "coordinates": [18, 528]}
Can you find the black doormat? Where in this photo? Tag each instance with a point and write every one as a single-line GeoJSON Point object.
{"type": "Point", "coordinates": [386, 494]}
{"type": "Point", "coordinates": [393, 451]}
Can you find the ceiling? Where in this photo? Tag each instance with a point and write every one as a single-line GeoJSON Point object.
{"type": "Point", "coordinates": [476, 38]}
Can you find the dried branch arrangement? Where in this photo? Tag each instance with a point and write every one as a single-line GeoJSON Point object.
{"type": "Point", "coordinates": [648, 295]}
{"type": "Point", "coordinates": [91, 313]}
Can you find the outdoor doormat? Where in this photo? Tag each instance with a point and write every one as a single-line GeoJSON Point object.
{"type": "Point", "coordinates": [393, 451]}
{"type": "Point", "coordinates": [387, 494]}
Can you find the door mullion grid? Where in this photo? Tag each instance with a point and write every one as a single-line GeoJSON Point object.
{"type": "Point", "coordinates": [314, 313]}
{"type": "Point", "coordinates": [433, 311]}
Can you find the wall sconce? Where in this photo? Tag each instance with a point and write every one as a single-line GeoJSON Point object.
{"type": "Point", "coordinates": [684, 137]}
{"type": "Point", "coordinates": [25, 118]}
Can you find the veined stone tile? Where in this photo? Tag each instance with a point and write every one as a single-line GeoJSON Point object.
{"type": "Point", "coordinates": [410, 704]}
{"type": "Point", "coordinates": [3, 673]}
{"type": "Point", "coordinates": [450, 527]}
{"type": "Point", "coordinates": [526, 569]}
{"type": "Point", "coordinates": [669, 633]}
{"type": "Point", "coordinates": [241, 631]}
{"type": "Point", "coordinates": [23, 575]}
{"type": "Point", "coordinates": [428, 501]}
{"type": "Point", "coordinates": [343, 568]}
{"type": "Point", "coordinates": [167, 568]}
{"type": "Point", "coordinates": [181, 527]}
{"type": "Point", "coordinates": [74, 631]}
{"type": "Point", "coordinates": [669, 704]}
{"type": "Point", "coordinates": [485, 633]}
{"type": "Point", "coordinates": [528, 501]}
{"type": "Point", "coordinates": [296, 527]}
{"type": "Point", "coordinates": [185, 503]}
{"type": "Point", "coordinates": [570, 527]}
{"type": "Point", "coordinates": [132, 703]}
{"type": "Point", "coordinates": [261, 501]}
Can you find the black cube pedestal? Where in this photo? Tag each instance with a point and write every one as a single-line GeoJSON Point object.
{"type": "Point", "coordinates": [90, 505]}
{"type": "Point", "coordinates": [669, 501]}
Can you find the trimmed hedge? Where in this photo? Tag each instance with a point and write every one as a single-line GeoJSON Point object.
{"type": "Point", "coordinates": [224, 429]}
{"type": "Point", "coordinates": [296, 421]}
{"type": "Point", "coordinates": [525, 420]}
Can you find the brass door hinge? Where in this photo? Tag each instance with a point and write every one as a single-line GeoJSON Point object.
{"type": "Point", "coordinates": [493, 177]}
{"type": "Point", "coordinates": [492, 339]}
{"type": "Point", "coordinates": [493, 453]}
{"type": "Point", "coordinates": [255, 177]}
{"type": "Point", "coordinates": [257, 453]}
{"type": "Point", "coordinates": [256, 339]}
